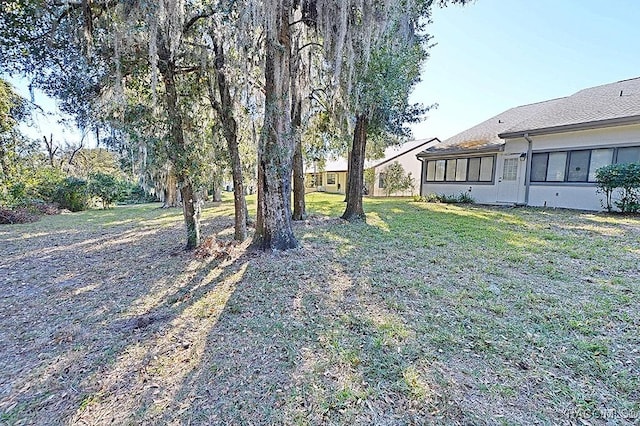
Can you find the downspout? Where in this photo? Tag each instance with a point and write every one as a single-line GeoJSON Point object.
{"type": "Point", "coordinates": [527, 176]}
{"type": "Point", "coordinates": [421, 174]}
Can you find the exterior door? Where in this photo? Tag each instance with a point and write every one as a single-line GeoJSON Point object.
{"type": "Point", "coordinates": [509, 179]}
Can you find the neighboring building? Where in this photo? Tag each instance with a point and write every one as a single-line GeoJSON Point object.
{"type": "Point", "coordinates": [330, 178]}
{"type": "Point", "coordinates": [333, 176]}
{"type": "Point", "coordinates": [404, 154]}
{"type": "Point", "coordinates": [543, 154]}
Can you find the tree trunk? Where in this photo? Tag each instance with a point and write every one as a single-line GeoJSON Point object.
{"type": "Point", "coordinates": [170, 191]}
{"type": "Point", "coordinates": [299, 207]}
{"type": "Point", "coordinates": [354, 210]}
{"type": "Point", "coordinates": [190, 205]}
{"type": "Point", "coordinates": [229, 125]}
{"type": "Point", "coordinates": [191, 213]}
{"type": "Point", "coordinates": [217, 187]}
{"type": "Point", "coordinates": [275, 147]}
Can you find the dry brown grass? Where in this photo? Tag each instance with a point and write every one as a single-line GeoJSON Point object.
{"type": "Point", "coordinates": [427, 314]}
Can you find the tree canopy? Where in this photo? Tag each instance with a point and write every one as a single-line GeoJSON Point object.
{"type": "Point", "coordinates": [188, 91]}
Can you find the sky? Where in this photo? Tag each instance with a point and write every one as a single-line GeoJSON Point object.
{"type": "Point", "coordinates": [492, 55]}
{"type": "Point", "coordinates": [47, 120]}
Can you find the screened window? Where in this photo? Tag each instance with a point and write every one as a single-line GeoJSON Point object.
{"type": "Point", "coordinates": [461, 170]}
{"type": "Point", "coordinates": [381, 180]}
{"type": "Point", "coordinates": [599, 158]}
{"type": "Point", "coordinates": [578, 166]}
{"type": "Point", "coordinates": [556, 166]}
{"type": "Point", "coordinates": [331, 178]}
{"type": "Point", "coordinates": [478, 169]}
{"type": "Point", "coordinates": [431, 171]}
{"type": "Point", "coordinates": [628, 155]}
{"type": "Point", "coordinates": [440, 166]}
{"type": "Point", "coordinates": [451, 170]}
{"type": "Point", "coordinates": [539, 167]}
{"type": "Point", "coordinates": [486, 169]}
{"type": "Point", "coordinates": [474, 170]}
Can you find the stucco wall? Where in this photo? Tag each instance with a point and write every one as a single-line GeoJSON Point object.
{"type": "Point", "coordinates": [410, 164]}
{"type": "Point", "coordinates": [576, 195]}
{"type": "Point", "coordinates": [566, 195]}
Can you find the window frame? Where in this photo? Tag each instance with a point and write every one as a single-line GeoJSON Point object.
{"type": "Point", "coordinates": [568, 154]}
{"type": "Point", "coordinates": [332, 175]}
{"type": "Point", "coordinates": [442, 168]}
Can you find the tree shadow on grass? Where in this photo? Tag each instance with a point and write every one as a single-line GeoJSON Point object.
{"type": "Point", "coordinates": [365, 324]}
{"type": "Point", "coordinates": [72, 312]}
{"type": "Point", "coordinates": [360, 327]}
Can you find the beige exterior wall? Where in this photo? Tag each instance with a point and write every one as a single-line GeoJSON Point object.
{"type": "Point", "coordinates": [338, 187]}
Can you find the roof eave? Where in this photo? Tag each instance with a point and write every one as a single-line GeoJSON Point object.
{"type": "Point", "coordinates": [461, 152]}
{"type": "Point", "coordinates": [383, 161]}
{"type": "Point", "coordinates": [589, 125]}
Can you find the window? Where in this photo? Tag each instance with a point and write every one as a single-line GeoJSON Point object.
{"type": "Point", "coordinates": [599, 158]}
{"type": "Point", "coordinates": [539, 167]}
{"type": "Point", "coordinates": [556, 166]}
{"type": "Point", "coordinates": [628, 155]}
{"type": "Point", "coordinates": [440, 166]}
{"type": "Point", "coordinates": [381, 180]}
{"type": "Point", "coordinates": [431, 171]}
{"type": "Point", "coordinates": [486, 169]}
{"type": "Point", "coordinates": [578, 166]}
{"type": "Point", "coordinates": [331, 178]}
{"type": "Point", "coordinates": [461, 169]}
{"type": "Point", "coordinates": [510, 169]}
{"type": "Point", "coordinates": [477, 169]}
{"type": "Point", "coordinates": [474, 170]}
{"type": "Point", "coordinates": [451, 170]}
{"type": "Point", "coordinates": [314, 180]}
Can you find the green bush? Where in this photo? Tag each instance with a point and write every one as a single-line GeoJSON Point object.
{"type": "Point", "coordinates": [463, 197]}
{"type": "Point", "coordinates": [623, 178]}
{"type": "Point", "coordinates": [108, 188]}
{"type": "Point", "coordinates": [135, 194]}
{"type": "Point", "coordinates": [71, 194]}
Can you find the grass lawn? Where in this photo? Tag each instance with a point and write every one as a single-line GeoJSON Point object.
{"type": "Point", "coordinates": [428, 313]}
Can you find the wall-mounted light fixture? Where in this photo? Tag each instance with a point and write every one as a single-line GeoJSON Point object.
{"type": "Point", "coordinates": [523, 156]}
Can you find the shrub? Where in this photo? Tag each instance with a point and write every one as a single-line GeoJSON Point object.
{"type": "Point", "coordinates": [463, 197]}
{"type": "Point", "coordinates": [71, 194]}
{"type": "Point", "coordinates": [108, 188]}
{"type": "Point", "coordinates": [135, 194]}
{"type": "Point", "coordinates": [622, 177]}
{"type": "Point", "coordinates": [395, 179]}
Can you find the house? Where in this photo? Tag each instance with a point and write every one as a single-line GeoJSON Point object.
{"type": "Point", "coordinates": [333, 176]}
{"type": "Point", "coordinates": [330, 178]}
{"type": "Point", "coordinates": [542, 154]}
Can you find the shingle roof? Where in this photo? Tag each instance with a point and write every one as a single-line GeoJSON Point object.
{"type": "Point", "coordinates": [589, 106]}
{"type": "Point", "coordinates": [395, 151]}
{"type": "Point", "coordinates": [593, 107]}
{"type": "Point", "coordinates": [484, 136]}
